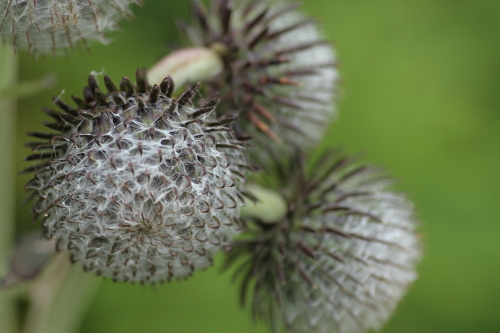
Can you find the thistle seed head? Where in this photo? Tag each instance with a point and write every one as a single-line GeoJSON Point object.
{"type": "Point", "coordinates": [45, 26]}
{"type": "Point", "coordinates": [138, 186]}
{"type": "Point", "coordinates": [340, 260]}
{"type": "Point", "coordinates": [279, 71]}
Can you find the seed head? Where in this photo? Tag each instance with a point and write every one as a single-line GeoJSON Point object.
{"type": "Point", "coordinates": [44, 26]}
{"type": "Point", "coordinates": [138, 186]}
{"type": "Point", "coordinates": [341, 258]}
{"type": "Point", "coordinates": [27, 259]}
{"type": "Point", "coordinates": [279, 71]}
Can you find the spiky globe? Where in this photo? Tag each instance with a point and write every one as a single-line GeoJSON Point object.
{"type": "Point", "coordinates": [138, 186]}
{"type": "Point", "coordinates": [341, 258]}
{"type": "Point", "coordinates": [43, 26]}
{"type": "Point", "coordinates": [279, 71]}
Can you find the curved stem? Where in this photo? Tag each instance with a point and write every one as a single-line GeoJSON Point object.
{"type": "Point", "coordinates": [8, 77]}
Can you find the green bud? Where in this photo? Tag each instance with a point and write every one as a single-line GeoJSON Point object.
{"type": "Point", "coordinates": [270, 207]}
{"type": "Point", "coordinates": [187, 65]}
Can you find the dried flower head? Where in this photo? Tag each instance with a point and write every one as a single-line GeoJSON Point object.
{"type": "Point", "coordinates": [279, 71]}
{"type": "Point", "coordinates": [138, 186]}
{"type": "Point", "coordinates": [43, 26]}
{"type": "Point", "coordinates": [341, 258]}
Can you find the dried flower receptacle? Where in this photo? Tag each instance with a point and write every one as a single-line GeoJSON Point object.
{"type": "Point", "coordinates": [279, 73]}
{"type": "Point", "coordinates": [341, 258]}
{"type": "Point", "coordinates": [47, 26]}
{"type": "Point", "coordinates": [140, 187]}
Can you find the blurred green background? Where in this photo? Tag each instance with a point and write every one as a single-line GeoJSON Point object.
{"type": "Point", "coordinates": [420, 95]}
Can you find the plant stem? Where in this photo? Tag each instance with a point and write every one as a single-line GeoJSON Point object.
{"type": "Point", "coordinates": [73, 300]}
{"type": "Point", "coordinates": [60, 298]}
{"type": "Point", "coordinates": [8, 77]}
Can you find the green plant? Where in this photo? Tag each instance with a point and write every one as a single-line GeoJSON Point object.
{"type": "Point", "coordinates": [143, 183]}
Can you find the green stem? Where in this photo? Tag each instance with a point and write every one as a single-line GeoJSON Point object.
{"type": "Point", "coordinates": [29, 88]}
{"type": "Point", "coordinates": [74, 300]}
{"type": "Point", "coordinates": [8, 77]}
{"type": "Point", "coordinates": [60, 298]}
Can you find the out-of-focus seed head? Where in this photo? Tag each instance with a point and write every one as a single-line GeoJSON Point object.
{"type": "Point", "coordinates": [279, 71]}
{"type": "Point", "coordinates": [27, 259]}
{"type": "Point", "coordinates": [46, 26]}
{"type": "Point", "coordinates": [340, 260]}
{"type": "Point", "coordinates": [138, 186]}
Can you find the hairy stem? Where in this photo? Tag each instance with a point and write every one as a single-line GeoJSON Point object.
{"type": "Point", "coordinates": [8, 77]}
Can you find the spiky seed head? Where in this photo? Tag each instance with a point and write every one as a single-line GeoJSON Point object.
{"type": "Point", "coordinates": [340, 260]}
{"type": "Point", "coordinates": [138, 186]}
{"type": "Point", "coordinates": [279, 71]}
{"type": "Point", "coordinates": [47, 26]}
